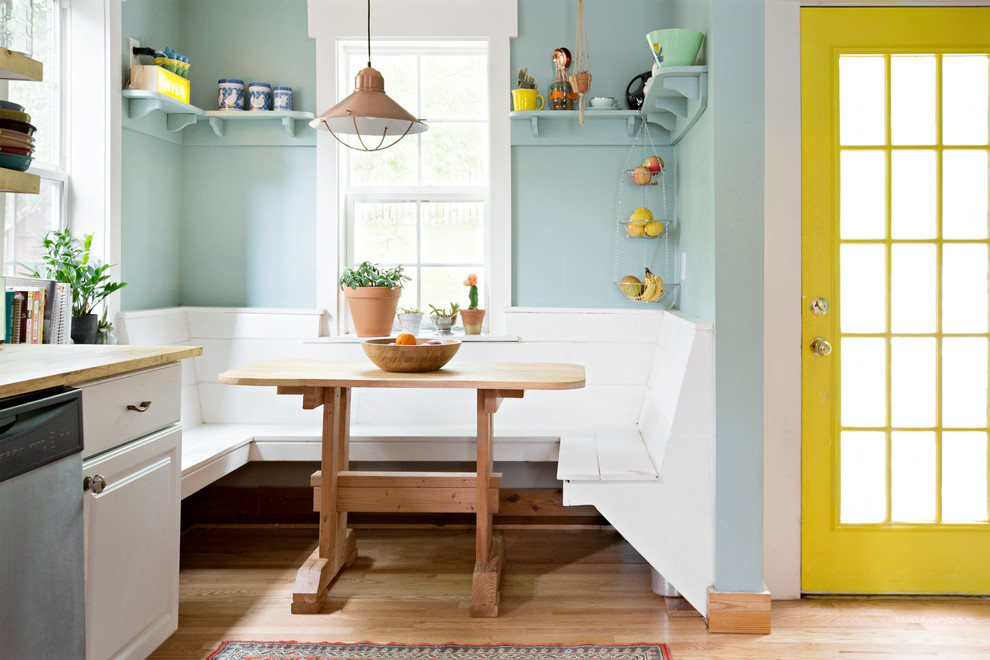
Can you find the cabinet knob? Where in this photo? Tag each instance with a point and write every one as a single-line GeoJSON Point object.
{"type": "Point", "coordinates": [95, 484]}
{"type": "Point", "coordinates": [144, 405]}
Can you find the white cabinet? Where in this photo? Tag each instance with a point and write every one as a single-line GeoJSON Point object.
{"type": "Point", "coordinates": [132, 523]}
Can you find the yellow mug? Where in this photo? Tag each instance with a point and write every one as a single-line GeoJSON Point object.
{"type": "Point", "coordinates": [525, 99]}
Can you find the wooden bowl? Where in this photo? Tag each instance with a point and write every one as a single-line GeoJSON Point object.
{"type": "Point", "coordinates": [421, 357]}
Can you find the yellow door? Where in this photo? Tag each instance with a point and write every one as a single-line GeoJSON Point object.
{"type": "Point", "coordinates": [896, 305]}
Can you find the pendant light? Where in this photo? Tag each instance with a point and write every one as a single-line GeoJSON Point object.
{"type": "Point", "coordinates": [368, 116]}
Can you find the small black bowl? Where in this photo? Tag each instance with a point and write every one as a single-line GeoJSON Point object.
{"type": "Point", "coordinates": [21, 126]}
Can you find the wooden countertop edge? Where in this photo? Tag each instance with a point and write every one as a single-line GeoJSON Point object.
{"type": "Point", "coordinates": [112, 367]}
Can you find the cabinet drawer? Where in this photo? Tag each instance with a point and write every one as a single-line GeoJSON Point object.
{"type": "Point", "coordinates": [107, 420]}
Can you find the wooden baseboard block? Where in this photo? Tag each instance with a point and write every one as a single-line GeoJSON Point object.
{"type": "Point", "coordinates": [736, 612]}
{"type": "Point", "coordinates": [679, 608]}
{"type": "Point", "coordinates": [484, 585]}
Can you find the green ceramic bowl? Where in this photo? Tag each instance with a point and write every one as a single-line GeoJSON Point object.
{"type": "Point", "coordinates": [675, 47]}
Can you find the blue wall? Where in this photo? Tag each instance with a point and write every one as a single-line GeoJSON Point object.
{"type": "Point", "coordinates": [221, 221]}
{"type": "Point", "coordinates": [150, 240]}
{"type": "Point", "coordinates": [566, 199]}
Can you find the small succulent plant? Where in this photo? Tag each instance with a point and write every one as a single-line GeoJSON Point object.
{"type": "Point", "coordinates": [443, 313]}
{"type": "Point", "coordinates": [526, 81]}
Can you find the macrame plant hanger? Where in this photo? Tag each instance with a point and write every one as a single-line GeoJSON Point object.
{"type": "Point", "coordinates": [581, 78]}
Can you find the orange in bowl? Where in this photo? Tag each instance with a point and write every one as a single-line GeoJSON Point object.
{"type": "Point", "coordinates": [421, 356]}
{"type": "Point", "coordinates": [405, 339]}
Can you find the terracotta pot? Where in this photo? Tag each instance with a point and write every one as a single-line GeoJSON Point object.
{"type": "Point", "coordinates": [373, 309]}
{"type": "Point", "coordinates": [581, 82]}
{"type": "Point", "coordinates": [472, 320]}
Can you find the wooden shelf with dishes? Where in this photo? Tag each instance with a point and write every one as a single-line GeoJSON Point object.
{"type": "Point", "coordinates": [678, 95]}
{"type": "Point", "coordinates": [18, 66]}
{"type": "Point", "coordinates": [179, 115]}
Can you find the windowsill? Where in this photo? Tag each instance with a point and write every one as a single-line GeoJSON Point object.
{"type": "Point", "coordinates": [354, 339]}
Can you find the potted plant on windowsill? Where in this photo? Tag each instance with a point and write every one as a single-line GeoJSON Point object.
{"type": "Point", "coordinates": [67, 260]}
{"type": "Point", "coordinates": [443, 320]}
{"type": "Point", "coordinates": [410, 320]}
{"type": "Point", "coordinates": [372, 294]}
{"type": "Point", "coordinates": [472, 317]}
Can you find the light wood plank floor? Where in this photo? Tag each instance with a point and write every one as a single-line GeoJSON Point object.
{"type": "Point", "coordinates": [569, 586]}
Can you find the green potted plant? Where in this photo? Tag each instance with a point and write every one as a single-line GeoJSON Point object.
{"type": "Point", "coordinates": [410, 320]}
{"type": "Point", "coordinates": [67, 260]}
{"type": "Point", "coordinates": [372, 293]}
{"type": "Point", "coordinates": [472, 317]}
{"type": "Point", "coordinates": [443, 320]}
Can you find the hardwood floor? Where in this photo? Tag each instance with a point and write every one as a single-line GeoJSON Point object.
{"type": "Point", "coordinates": [560, 585]}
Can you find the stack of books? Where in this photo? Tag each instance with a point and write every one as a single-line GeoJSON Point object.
{"type": "Point", "coordinates": [35, 311]}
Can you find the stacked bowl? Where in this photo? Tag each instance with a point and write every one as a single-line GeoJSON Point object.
{"type": "Point", "coordinates": [16, 137]}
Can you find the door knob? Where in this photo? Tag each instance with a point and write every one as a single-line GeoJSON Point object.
{"type": "Point", "coordinates": [820, 346]}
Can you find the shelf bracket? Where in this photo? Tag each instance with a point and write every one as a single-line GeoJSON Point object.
{"type": "Point", "coordinates": [632, 124]}
{"type": "Point", "coordinates": [289, 124]}
{"type": "Point", "coordinates": [536, 126]}
{"type": "Point", "coordinates": [176, 121]}
{"type": "Point", "coordinates": [137, 108]}
{"type": "Point", "coordinates": [217, 125]}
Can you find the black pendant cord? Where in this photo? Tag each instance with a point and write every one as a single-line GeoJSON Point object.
{"type": "Point", "coordinates": [369, 34]}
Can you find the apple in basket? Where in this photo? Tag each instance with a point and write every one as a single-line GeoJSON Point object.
{"type": "Point", "coordinates": [654, 163]}
{"type": "Point", "coordinates": [642, 176]}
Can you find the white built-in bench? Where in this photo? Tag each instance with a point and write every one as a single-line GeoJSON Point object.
{"type": "Point", "coordinates": [642, 425]}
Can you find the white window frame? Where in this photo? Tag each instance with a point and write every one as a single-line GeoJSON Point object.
{"type": "Point", "coordinates": [491, 20]}
{"type": "Point", "coordinates": [56, 172]}
{"type": "Point", "coordinates": [416, 193]}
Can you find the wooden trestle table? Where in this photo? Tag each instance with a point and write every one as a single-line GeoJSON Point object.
{"type": "Point", "coordinates": [328, 384]}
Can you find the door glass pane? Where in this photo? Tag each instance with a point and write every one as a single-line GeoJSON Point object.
{"type": "Point", "coordinates": [912, 381]}
{"type": "Point", "coordinates": [863, 469]}
{"type": "Point", "coordinates": [964, 476]}
{"type": "Point", "coordinates": [912, 99]}
{"type": "Point", "coordinates": [964, 381]}
{"type": "Point", "coordinates": [861, 99]}
{"type": "Point", "coordinates": [862, 278]}
{"type": "Point", "coordinates": [385, 232]}
{"type": "Point", "coordinates": [453, 233]}
{"type": "Point", "coordinates": [863, 194]}
{"type": "Point", "coordinates": [912, 288]}
{"type": "Point", "coordinates": [964, 99]}
{"type": "Point", "coordinates": [964, 193]}
{"type": "Point", "coordinates": [964, 288]}
{"type": "Point", "coordinates": [864, 376]}
{"type": "Point", "coordinates": [912, 476]}
{"type": "Point", "coordinates": [912, 204]}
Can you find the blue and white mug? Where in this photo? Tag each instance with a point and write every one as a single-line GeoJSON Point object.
{"type": "Point", "coordinates": [230, 94]}
{"type": "Point", "coordinates": [283, 98]}
{"type": "Point", "coordinates": [260, 95]}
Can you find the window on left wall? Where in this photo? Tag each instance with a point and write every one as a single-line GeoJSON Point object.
{"type": "Point", "coordinates": [27, 218]}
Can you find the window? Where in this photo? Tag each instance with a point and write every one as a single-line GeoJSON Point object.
{"type": "Point", "coordinates": [27, 218]}
{"type": "Point", "coordinates": [425, 202]}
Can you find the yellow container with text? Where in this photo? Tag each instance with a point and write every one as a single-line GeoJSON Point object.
{"type": "Point", "coordinates": [156, 79]}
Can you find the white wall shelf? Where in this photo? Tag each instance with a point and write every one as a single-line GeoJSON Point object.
{"type": "Point", "coordinates": [18, 66]}
{"type": "Point", "coordinates": [676, 98]}
{"type": "Point", "coordinates": [290, 119]}
{"type": "Point", "coordinates": [178, 115]}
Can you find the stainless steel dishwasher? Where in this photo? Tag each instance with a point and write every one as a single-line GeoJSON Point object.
{"type": "Point", "coordinates": [42, 593]}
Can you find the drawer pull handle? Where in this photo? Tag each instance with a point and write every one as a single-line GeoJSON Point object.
{"type": "Point", "coordinates": [141, 408]}
{"type": "Point", "coordinates": [95, 484]}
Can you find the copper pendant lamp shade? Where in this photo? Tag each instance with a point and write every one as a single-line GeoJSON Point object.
{"type": "Point", "coordinates": [374, 120]}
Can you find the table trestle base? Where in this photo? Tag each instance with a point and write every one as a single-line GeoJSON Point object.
{"type": "Point", "coordinates": [484, 585]}
{"type": "Point", "coordinates": [314, 577]}
{"type": "Point", "coordinates": [407, 492]}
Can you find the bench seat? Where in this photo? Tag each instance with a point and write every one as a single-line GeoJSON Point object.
{"type": "Point", "coordinates": [614, 455]}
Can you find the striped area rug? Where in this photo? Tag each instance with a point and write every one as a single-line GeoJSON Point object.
{"type": "Point", "coordinates": [235, 650]}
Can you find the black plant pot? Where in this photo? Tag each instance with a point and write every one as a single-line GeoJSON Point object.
{"type": "Point", "coordinates": [84, 329]}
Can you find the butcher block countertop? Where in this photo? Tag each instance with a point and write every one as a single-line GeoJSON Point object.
{"type": "Point", "coordinates": [29, 368]}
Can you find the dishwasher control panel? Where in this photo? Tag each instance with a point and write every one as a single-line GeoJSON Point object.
{"type": "Point", "coordinates": [37, 429]}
